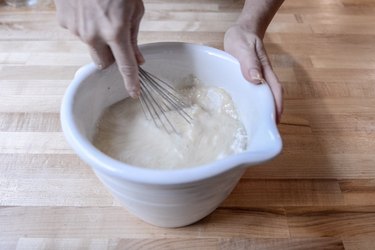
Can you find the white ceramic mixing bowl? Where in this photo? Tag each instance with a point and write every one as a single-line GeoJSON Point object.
{"type": "Point", "coordinates": [171, 198]}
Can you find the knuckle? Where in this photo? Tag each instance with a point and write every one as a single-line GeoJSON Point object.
{"type": "Point", "coordinates": [128, 70]}
{"type": "Point", "coordinates": [87, 33]}
{"type": "Point", "coordinates": [89, 37]}
{"type": "Point", "coordinates": [113, 35]}
{"type": "Point", "coordinates": [265, 61]}
{"type": "Point", "coordinates": [118, 26]}
{"type": "Point", "coordinates": [251, 61]}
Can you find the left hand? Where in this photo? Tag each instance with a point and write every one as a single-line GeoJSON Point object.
{"type": "Point", "coordinates": [110, 28]}
{"type": "Point", "coordinates": [247, 47]}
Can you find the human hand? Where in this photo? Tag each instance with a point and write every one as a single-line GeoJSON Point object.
{"type": "Point", "coordinates": [110, 28]}
{"type": "Point", "coordinates": [248, 49]}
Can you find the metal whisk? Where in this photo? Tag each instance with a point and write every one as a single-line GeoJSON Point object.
{"type": "Point", "coordinates": [158, 99]}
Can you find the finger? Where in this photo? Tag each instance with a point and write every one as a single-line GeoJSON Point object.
{"type": "Point", "coordinates": [272, 80]}
{"type": "Point", "coordinates": [251, 67]}
{"type": "Point", "coordinates": [276, 89]}
{"type": "Point", "coordinates": [134, 41]}
{"type": "Point", "coordinates": [134, 36]}
{"type": "Point", "coordinates": [123, 52]}
{"type": "Point", "coordinates": [101, 54]}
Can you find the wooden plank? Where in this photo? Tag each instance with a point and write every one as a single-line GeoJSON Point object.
{"type": "Point", "coordinates": [65, 59]}
{"type": "Point", "coordinates": [323, 89]}
{"type": "Point", "coordinates": [43, 166]}
{"type": "Point", "coordinates": [230, 243]}
{"type": "Point", "coordinates": [317, 106]}
{"type": "Point", "coordinates": [115, 222]}
{"type": "Point", "coordinates": [343, 62]}
{"type": "Point", "coordinates": [34, 143]}
{"type": "Point", "coordinates": [55, 192]}
{"type": "Point", "coordinates": [363, 29]}
{"type": "Point", "coordinates": [187, 36]}
{"type": "Point", "coordinates": [179, 26]}
{"type": "Point", "coordinates": [44, 32]}
{"type": "Point", "coordinates": [315, 166]}
{"type": "Point", "coordinates": [13, 58]}
{"type": "Point", "coordinates": [331, 222]}
{"type": "Point", "coordinates": [32, 104]}
{"type": "Point", "coordinates": [8, 243]}
{"type": "Point", "coordinates": [319, 45]}
{"type": "Point", "coordinates": [48, 59]}
{"type": "Point", "coordinates": [315, 4]}
{"type": "Point", "coordinates": [46, 46]}
{"type": "Point", "coordinates": [328, 144]}
{"type": "Point", "coordinates": [361, 125]}
{"type": "Point", "coordinates": [359, 243]}
{"type": "Point", "coordinates": [329, 19]}
{"type": "Point", "coordinates": [164, 14]}
{"type": "Point", "coordinates": [363, 3]}
{"type": "Point", "coordinates": [320, 42]}
{"type": "Point", "coordinates": [70, 243]}
{"type": "Point", "coordinates": [358, 192]}
{"type": "Point", "coordinates": [30, 122]}
{"type": "Point", "coordinates": [316, 74]}
{"type": "Point", "coordinates": [37, 72]}
{"type": "Point", "coordinates": [32, 87]}
{"type": "Point", "coordinates": [28, 243]}
{"type": "Point", "coordinates": [279, 193]}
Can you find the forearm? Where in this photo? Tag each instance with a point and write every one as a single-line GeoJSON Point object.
{"type": "Point", "coordinates": [256, 15]}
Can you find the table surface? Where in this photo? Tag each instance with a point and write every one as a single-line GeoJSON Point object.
{"type": "Point", "coordinates": [319, 193]}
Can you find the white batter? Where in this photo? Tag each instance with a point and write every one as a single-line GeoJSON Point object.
{"type": "Point", "coordinates": [215, 132]}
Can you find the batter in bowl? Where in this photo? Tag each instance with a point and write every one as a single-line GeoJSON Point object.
{"type": "Point", "coordinates": [215, 132]}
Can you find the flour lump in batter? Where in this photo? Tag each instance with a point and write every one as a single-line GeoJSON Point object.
{"type": "Point", "coordinates": [215, 132]}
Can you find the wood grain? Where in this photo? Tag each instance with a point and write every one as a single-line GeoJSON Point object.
{"type": "Point", "coordinates": [177, 243]}
{"type": "Point", "coordinates": [318, 194]}
{"type": "Point", "coordinates": [116, 222]}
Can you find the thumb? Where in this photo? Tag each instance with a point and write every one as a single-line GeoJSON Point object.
{"type": "Point", "coordinates": [134, 40]}
{"type": "Point", "coordinates": [251, 67]}
{"type": "Point", "coordinates": [127, 64]}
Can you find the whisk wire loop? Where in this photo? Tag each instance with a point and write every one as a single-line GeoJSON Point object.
{"type": "Point", "coordinates": [156, 111]}
{"type": "Point", "coordinates": [168, 96]}
{"type": "Point", "coordinates": [157, 98]}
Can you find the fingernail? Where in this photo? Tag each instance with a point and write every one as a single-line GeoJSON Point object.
{"type": "Point", "coordinates": [99, 66]}
{"type": "Point", "coordinates": [255, 76]}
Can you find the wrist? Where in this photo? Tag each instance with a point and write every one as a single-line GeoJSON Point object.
{"type": "Point", "coordinates": [251, 27]}
{"type": "Point", "coordinates": [256, 15]}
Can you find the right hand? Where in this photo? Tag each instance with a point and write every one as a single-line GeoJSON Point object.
{"type": "Point", "coordinates": [110, 28]}
{"type": "Point", "coordinates": [256, 67]}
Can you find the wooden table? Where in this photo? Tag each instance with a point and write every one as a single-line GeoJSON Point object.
{"type": "Point", "coordinates": [320, 192]}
